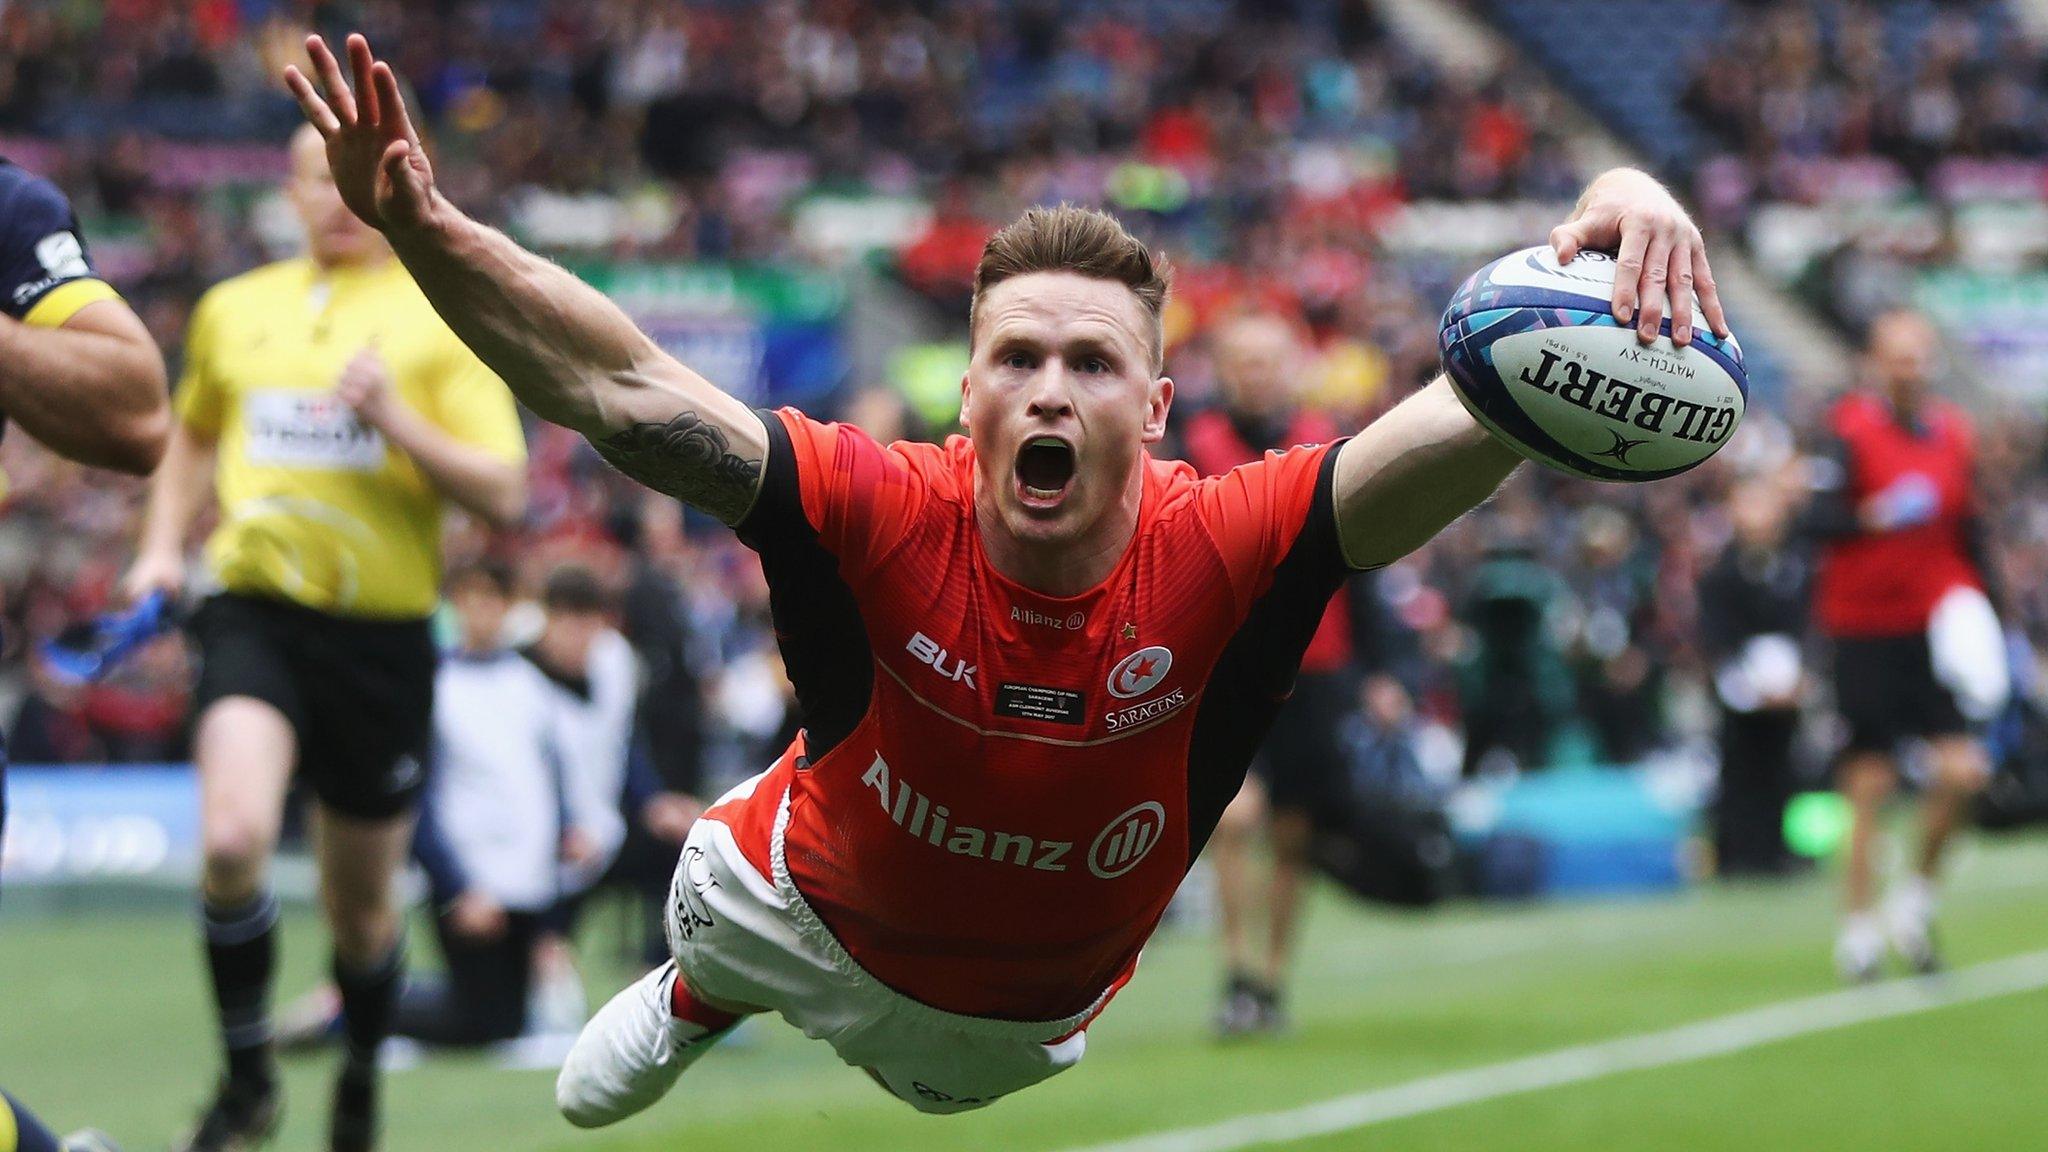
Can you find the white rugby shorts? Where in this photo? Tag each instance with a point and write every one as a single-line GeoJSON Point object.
{"type": "Point", "coordinates": [743, 938]}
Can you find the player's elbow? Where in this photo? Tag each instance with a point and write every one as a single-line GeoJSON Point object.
{"type": "Point", "coordinates": [120, 440]}
{"type": "Point", "coordinates": [138, 446]}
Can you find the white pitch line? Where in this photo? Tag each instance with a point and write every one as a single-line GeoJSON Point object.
{"type": "Point", "coordinates": [1720, 1036]}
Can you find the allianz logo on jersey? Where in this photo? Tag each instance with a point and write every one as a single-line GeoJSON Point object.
{"type": "Point", "coordinates": [309, 430]}
{"type": "Point", "coordinates": [1121, 845]}
{"type": "Point", "coordinates": [1071, 622]}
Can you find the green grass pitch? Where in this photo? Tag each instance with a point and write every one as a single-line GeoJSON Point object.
{"type": "Point", "coordinates": [101, 1021]}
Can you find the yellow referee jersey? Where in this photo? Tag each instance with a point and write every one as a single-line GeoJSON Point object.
{"type": "Point", "coordinates": [315, 507]}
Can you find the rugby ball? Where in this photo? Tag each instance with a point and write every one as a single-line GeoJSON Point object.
{"type": "Point", "coordinates": [1533, 349]}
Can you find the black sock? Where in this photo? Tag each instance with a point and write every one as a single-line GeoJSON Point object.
{"type": "Point", "coordinates": [352, 1126]}
{"type": "Point", "coordinates": [241, 953]}
{"type": "Point", "coordinates": [369, 999]}
{"type": "Point", "coordinates": [29, 1133]}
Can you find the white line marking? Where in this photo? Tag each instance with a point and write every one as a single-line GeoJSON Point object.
{"type": "Point", "coordinates": [1719, 1036]}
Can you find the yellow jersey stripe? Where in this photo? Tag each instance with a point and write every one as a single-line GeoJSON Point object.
{"type": "Point", "coordinates": [61, 303]}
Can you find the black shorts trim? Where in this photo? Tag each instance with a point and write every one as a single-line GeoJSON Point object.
{"type": "Point", "coordinates": [359, 694]}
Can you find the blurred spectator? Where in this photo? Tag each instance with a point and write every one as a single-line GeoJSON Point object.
{"type": "Point", "coordinates": [667, 777]}
{"type": "Point", "coordinates": [1619, 678]}
{"type": "Point", "coordinates": [1382, 741]}
{"type": "Point", "coordinates": [596, 691]}
{"type": "Point", "coordinates": [1753, 626]}
{"type": "Point", "coordinates": [51, 726]}
{"type": "Point", "coordinates": [1386, 837]}
{"type": "Point", "coordinates": [1517, 689]}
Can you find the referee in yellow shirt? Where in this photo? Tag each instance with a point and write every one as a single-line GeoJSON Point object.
{"type": "Point", "coordinates": [334, 415]}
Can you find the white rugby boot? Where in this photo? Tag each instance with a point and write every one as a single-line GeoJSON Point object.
{"type": "Point", "coordinates": [630, 1054]}
{"type": "Point", "coordinates": [1859, 950]}
{"type": "Point", "coordinates": [1909, 914]}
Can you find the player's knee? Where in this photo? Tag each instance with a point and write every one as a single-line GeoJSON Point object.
{"type": "Point", "coordinates": [1961, 768]}
{"type": "Point", "coordinates": [235, 853]}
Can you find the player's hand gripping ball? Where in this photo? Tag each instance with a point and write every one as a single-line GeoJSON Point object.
{"type": "Point", "coordinates": [1533, 349]}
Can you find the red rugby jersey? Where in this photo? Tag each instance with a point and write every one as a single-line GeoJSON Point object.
{"type": "Point", "coordinates": [997, 791]}
{"type": "Point", "coordinates": [1215, 445]}
{"type": "Point", "coordinates": [1873, 584]}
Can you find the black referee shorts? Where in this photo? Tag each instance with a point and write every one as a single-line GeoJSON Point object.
{"type": "Point", "coordinates": [359, 693]}
{"type": "Point", "coordinates": [1886, 691]}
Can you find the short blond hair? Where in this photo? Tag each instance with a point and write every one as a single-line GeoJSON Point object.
{"type": "Point", "coordinates": [1083, 241]}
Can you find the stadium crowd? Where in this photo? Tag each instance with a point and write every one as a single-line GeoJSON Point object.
{"type": "Point", "coordinates": [1813, 80]}
{"type": "Point", "coordinates": [1858, 148]}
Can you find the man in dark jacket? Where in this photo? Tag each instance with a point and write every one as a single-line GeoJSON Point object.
{"type": "Point", "coordinates": [1753, 604]}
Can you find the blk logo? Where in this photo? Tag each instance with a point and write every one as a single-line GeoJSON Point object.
{"type": "Point", "coordinates": [1140, 672]}
{"type": "Point", "coordinates": [953, 668]}
{"type": "Point", "coordinates": [1127, 841]}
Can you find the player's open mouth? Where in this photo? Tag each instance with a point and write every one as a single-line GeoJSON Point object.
{"type": "Point", "coordinates": [1045, 471]}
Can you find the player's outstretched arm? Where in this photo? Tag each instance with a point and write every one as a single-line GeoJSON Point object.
{"type": "Point", "coordinates": [1428, 462]}
{"type": "Point", "coordinates": [567, 352]}
{"type": "Point", "coordinates": [92, 389]}
{"type": "Point", "coordinates": [1413, 471]}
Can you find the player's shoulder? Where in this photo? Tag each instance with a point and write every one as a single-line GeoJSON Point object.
{"type": "Point", "coordinates": [1265, 499]}
{"type": "Point", "coordinates": [1172, 484]}
{"type": "Point", "coordinates": [30, 203]}
{"type": "Point", "coordinates": [947, 467]}
{"type": "Point", "coordinates": [839, 446]}
{"type": "Point", "coordinates": [1856, 410]}
{"type": "Point", "coordinates": [1952, 418]}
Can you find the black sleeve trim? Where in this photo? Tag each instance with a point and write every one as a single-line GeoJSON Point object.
{"type": "Point", "coordinates": [818, 623]}
{"type": "Point", "coordinates": [1320, 540]}
{"type": "Point", "coordinates": [778, 511]}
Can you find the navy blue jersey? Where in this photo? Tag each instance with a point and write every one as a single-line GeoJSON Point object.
{"type": "Point", "coordinates": [41, 247]}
